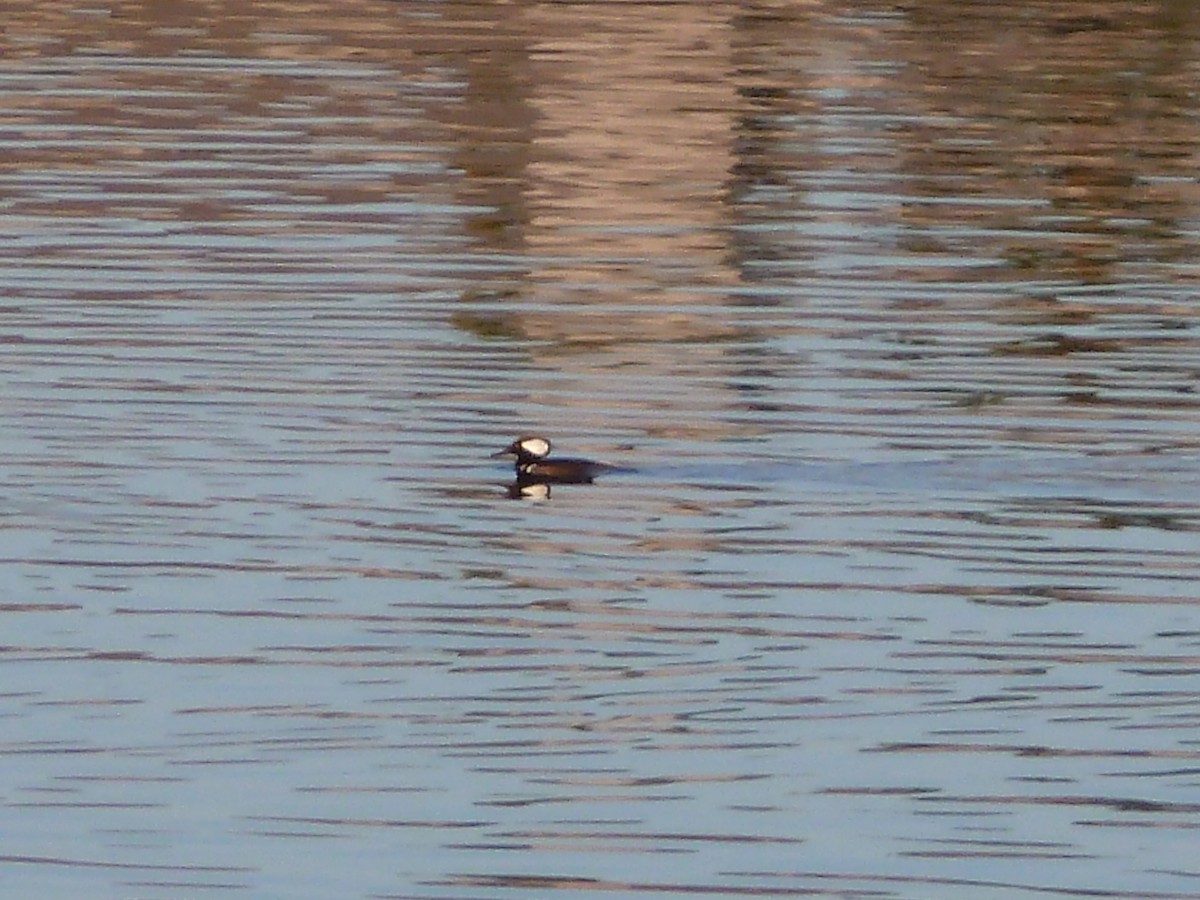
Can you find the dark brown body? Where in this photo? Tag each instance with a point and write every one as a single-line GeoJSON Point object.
{"type": "Point", "coordinates": [560, 471]}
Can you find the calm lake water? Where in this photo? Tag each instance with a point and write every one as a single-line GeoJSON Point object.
{"type": "Point", "coordinates": [888, 312]}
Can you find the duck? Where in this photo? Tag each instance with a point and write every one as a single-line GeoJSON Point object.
{"type": "Point", "coordinates": [533, 467]}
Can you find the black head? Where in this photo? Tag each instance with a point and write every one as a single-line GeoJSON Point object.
{"type": "Point", "coordinates": [526, 449]}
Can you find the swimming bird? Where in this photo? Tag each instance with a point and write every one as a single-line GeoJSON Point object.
{"type": "Point", "coordinates": [533, 467]}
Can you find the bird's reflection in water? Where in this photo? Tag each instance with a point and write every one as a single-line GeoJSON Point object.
{"type": "Point", "coordinates": [528, 490]}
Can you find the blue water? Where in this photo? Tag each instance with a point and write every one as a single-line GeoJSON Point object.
{"type": "Point", "coordinates": [893, 592]}
{"type": "Point", "coordinates": [1131, 479]}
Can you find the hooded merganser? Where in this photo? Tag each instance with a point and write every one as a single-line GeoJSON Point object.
{"type": "Point", "coordinates": [533, 467]}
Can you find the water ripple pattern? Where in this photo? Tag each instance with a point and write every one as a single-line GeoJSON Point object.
{"type": "Point", "coordinates": [886, 315]}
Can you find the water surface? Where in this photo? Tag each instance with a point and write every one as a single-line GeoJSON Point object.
{"type": "Point", "coordinates": [888, 311]}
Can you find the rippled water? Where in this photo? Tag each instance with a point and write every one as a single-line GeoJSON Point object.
{"type": "Point", "coordinates": [886, 313]}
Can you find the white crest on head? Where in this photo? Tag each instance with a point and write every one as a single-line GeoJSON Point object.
{"type": "Point", "coordinates": [535, 446]}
